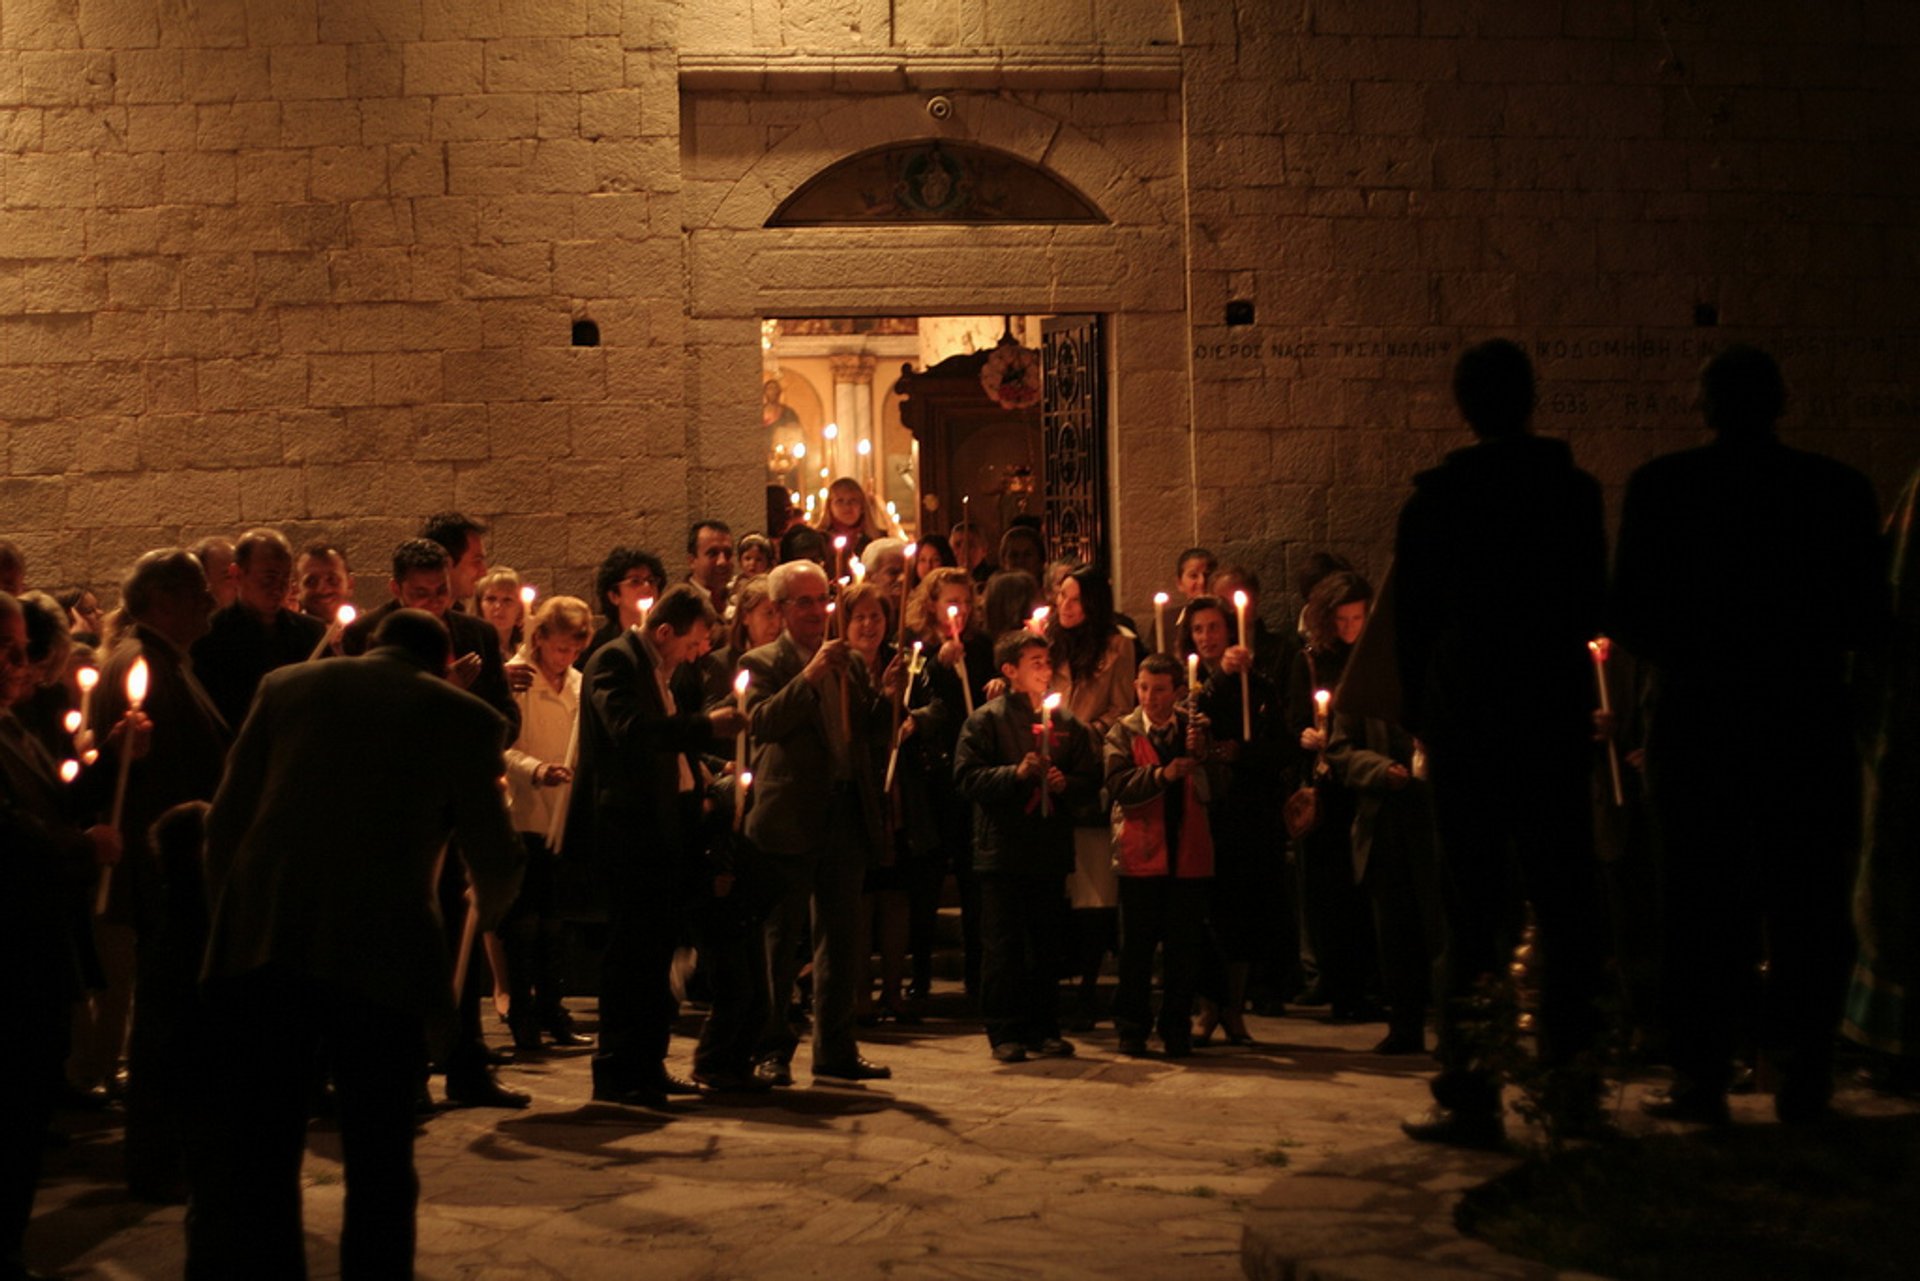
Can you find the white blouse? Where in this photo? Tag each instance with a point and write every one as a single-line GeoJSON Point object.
{"type": "Point", "coordinates": [546, 732]}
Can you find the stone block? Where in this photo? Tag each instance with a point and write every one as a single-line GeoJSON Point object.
{"type": "Point", "coordinates": [49, 338]}
{"type": "Point", "coordinates": [372, 223]}
{"type": "Point", "coordinates": [610, 113]}
{"type": "Point", "coordinates": [495, 487]}
{"type": "Point", "coordinates": [148, 75]}
{"type": "Point", "coordinates": [406, 378]}
{"type": "Point", "coordinates": [517, 219]}
{"type": "Point", "coordinates": [204, 334]}
{"type": "Point", "coordinates": [392, 119]}
{"type": "Point", "coordinates": [436, 273]}
{"type": "Point", "coordinates": [29, 392]}
{"type": "Point", "coordinates": [527, 430]}
{"type": "Point", "coordinates": [308, 71]}
{"type": "Point", "coordinates": [172, 441]}
{"type": "Point", "coordinates": [528, 65]}
{"type": "Point", "coordinates": [450, 433]}
{"type": "Point", "coordinates": [271, 22]}
{"type": "Point", "coordinates": [442, 67]}
{"type": "Point", "coordinates": [291, 278]}
{"type": "Point", "coordinates": [345, 379]}
{"type": "Point", "coordinates": [416, 170]}
{"type": "Point", "coordinates": [506, 271]}
{"type": "Point", "coordinates": [377, 489]}
{"type": "Point", "coordinates": [217, 280]}
{"type": "Point", "coordinates": [34, 502]}
{"type": "Point", "coordinates": [261, 382]}
{"type": "Point", "coordinates": [171, 386]}
{"type": "Point", "coordinates": [348, 173]}
{"type": "Point", "coordinates": [62, 286]}
{"type": "Point", "coordinates": [358, 21]}
{"type": "Point", "coordinates": [319, 123]}
{"type": "Point", "coordinates": [273, 494]}
{"type": "Point", "coordinates": [227, 75]}
{"type": "Point", "coordinates": [371, 275]}
{"type": "Point", "coordinates": [43, 449]}
{"type": "Point", "coordinates": [90, 128]}
{"type": "Point", "coordinates": [64, 77]}
{"type": "Point", "coordinates": [487, 168]}
{"type": "Point", "coordinates": [162, 127]}
{"type": "Point", "coordinates": [270, 177]}
{"type": "Point", "coordinates": [483, 375]}
{"type": "Point", "coordinates": [237, 126]}
{"type": "Point", "coordinates": [198, 178]}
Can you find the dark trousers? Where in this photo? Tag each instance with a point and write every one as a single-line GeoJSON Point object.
{"type": "Point", "coordinates": [265, 1029]}
{"type": "Point", "coordinates": [1403, 884]}
{"type": "Point", "coordinates": [1169, 913]}
{"type": "Point", "coordinates": [646, 911]}
{"type": "Point", "coordinates": [1756, 847]}
{"type": "Point", "coordinates": [1334, 910]}
{"type": "Point", "coordinates": [1020, 922]}
{"type": "Point", "coordinates": [826, 880]}
{"type": "Point", "coordinates": [463, 1054]}
{"type": "Point", "coordinates": [1514, 829]}
{"type": "Point", "coordinates": [531, 934]}
{"type": "Point", "coordinates": [29, 1080]}
{"type": "Point", "coordinates": [733, 956]}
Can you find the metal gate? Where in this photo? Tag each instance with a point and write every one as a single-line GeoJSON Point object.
{"type": "Point", "coordinates": [1074, 437]}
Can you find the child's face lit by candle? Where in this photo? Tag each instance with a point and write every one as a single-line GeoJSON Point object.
{"type": "Point", "coordinates": [1031, 675]}
{"type": "Point", "coordinates": [1209, 630]}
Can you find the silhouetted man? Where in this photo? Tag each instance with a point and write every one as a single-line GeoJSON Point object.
{"type": "Point", "coordinates": [257, 633]}
{"type": "Point", "coordinates": [326, 939]}
{"type": "Point", "coordinates": [1747, 574]}
{"type": "Point", "coordinates": [1500, 568]}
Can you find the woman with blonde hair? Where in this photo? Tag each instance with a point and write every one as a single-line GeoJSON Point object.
{"type": "Point", "coordinates": [539, 778]}
{"type": "Point", "coordinates": [496, 599]}
{"type": "Point", "coordinates": [848, 512]}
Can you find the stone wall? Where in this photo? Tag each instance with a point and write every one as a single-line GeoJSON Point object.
{"type": "Point", "coordinates": [315, 262]}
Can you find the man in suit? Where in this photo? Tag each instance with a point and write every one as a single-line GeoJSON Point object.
{"type": "Point", "coordinates": [814, 807]}
{"type": "Point", "coordinates": [167, 601]}
{"type": "Point", "coordinates": [50, 863]}
{"type": "Point", "coordinates": [326, 937]}
{"type": "Point", "coordinates": [1503, 700]}
{"type": "Point", "coordinates": [257, 633]}
{"type": "Point", "coordinates": [1752, 772]}
{"type": "Point", "coordinates": [638, 805]}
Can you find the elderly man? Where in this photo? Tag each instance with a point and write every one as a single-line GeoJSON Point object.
{"type": "Point", "coordinates": [326, 938]}
{"type": "Point", "coordinates": [257, 633]}
{"type": "Point", "coordinates": [817, 726]}
{"type": "Point", "coordinates": [167, 602]}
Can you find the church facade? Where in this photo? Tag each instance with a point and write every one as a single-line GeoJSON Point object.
{"type": "Point", "coordinates": [333, 264]}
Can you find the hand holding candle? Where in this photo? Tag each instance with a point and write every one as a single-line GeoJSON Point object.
{"type": "Point", "coordinates": [1037, 623]}
{"type": "Point", "coordinates": [1246, 696]}
{"type": "Point", "coordinates": [1600, 647]}
{"type": "Point", "coordinates": [137, 677]}
{"type": "Point", "coordinates": [342, 619]}
{"type": "Point", "coordinates": [966, 685]}
{"type": "Point", "coordinates": [1322, 700]}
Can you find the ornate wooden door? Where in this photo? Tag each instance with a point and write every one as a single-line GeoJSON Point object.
{"type": "Point", "coordinates": [1073, 414]}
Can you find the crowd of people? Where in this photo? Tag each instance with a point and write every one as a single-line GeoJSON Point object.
{"type": "Point", "coordinates": [258, 843]}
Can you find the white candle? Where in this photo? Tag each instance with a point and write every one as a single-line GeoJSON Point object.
{"type": "Point", "coordinates": [646, 607]}
{"type": "Point", "coordinates": [1321, 700]}
{"type": "Point", "coordinates": [1246, 697]}
{"type": "Point", "coordinates": [1600, 647]}
{"type": "Point", "coordinates": [1047, 705]}
{"type": "Point", "coordinates": [1160, 622]}
{"type": "Point", "coordinates": [1193, 673]}
{"type": "Point", "coordinates": [740, 683]}
{"type": "Point", "coordinates": [136, 694]}
{"type": "Point", "coordinates": [839, 555]}
{"type": "Point", "coordinates": [342, 619]}
{"type": "Point", "coordinates": [966, 686]}
{"type": "Point", "coordinates": [86, 678]}
{"type": "Point", "coordinates": [740, 799]}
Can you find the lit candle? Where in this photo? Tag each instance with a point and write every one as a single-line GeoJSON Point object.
{"type": "Point", "coordinates": [1600, 647]}
{"type": "Point", "coordinates": [1159, 622]}
{"type": "Point", "coordinates": [1037, 624]}
{"type": "Point", "coordinates": [527, 594]}
{"type": "Point", "coordinates": [342, 619]}
{"type": "Point", "coordinates": [136, 695]}
{"type": "Point", "coordinates": [1322, 699]}
{"type": "Point", "coordinates": [966, 685]}
{"type": "Point", "coordinates": [646, 607]}
{"type": "Point", "coordinates": [72, 722]}
{"type": "Point", "coordinates": [69, 770]}
{"type": "Point", "coordinates": [839, 555]}
{"type": "Point", "coordinates": [1193, 673]}
{"type": "Point", "coordinates": [1246, 697]}
{"type": "Point", "coordinates": [740, 683]}
{"type": "Point", "coordinates": [1047, 705]}
{"type": "Point", "coordinates": [913, 558]}
{"type": "Point", "coordinates": [859, 568]}
{"type": "Point", "coordinates": [740, 799]}
{"type": "Point", "coordinates": [893, 754]}
{"type": "Point", "coordinates": [86, 678]}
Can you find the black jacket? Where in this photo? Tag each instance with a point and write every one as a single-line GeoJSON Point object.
{"type": "Point", "coordinates": [238, 650]}
{"type": "Point", "coordinates": [1009, 834]}
{"type": "Point", "coordinates": [470, 636]}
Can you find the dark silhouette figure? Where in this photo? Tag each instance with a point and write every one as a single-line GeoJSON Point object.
{"type": "Point", "coordinates": [1747, 573]}
{"type": "Point", "coordinates": [1500, 565]}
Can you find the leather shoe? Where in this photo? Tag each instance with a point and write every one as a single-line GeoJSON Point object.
{"type": "Point", "coordinates": [484, 1092]}
{"type": "Point", "coordinates": [1009, 1052]}
{"type": "Point", "coordinates": [732, 1082]}
{"type": "Point", "coordinates": [1051, 1047]}
{"type": "Point", "coordinates": [1484, 1130]}
{"type": "Point", "coordinates": [630, 1096]}
{"type": "Point", "coordinates": [1693, 1107]}
{"type": "Point", "coordinates": [774, 1071]}
{"type": "Point", "coordinates": [666, 1082]}
{"type": "Point", "coordinates": [1132, 1044]}
{"type": "Point", "coordinates": [858, 1069]}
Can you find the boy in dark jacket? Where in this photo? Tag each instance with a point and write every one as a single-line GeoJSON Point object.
{"type": "Point", "coordinates": [1023, 785]}
{"type": "Point", "coordinates": [1163, 848]}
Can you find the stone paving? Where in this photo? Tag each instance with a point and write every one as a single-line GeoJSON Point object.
{"type": "Point", "coordinates": [1282, 1160]}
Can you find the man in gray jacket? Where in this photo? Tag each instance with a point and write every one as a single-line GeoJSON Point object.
{"type": "Point", "coordinates": [323, 848]}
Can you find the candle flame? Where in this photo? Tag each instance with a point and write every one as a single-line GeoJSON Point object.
{"type": "Point", "coordinates": [859, 569]}
{"type": "Point", "coordinates": [1321, 698]}
{"type": "Point", "coordinates": [953, 612]}
{"type": "Point", "coordinates": [69, 770]}
{"type": "Point", "coordinates": [88, 677]}
{"type": "Point", "coordinates": [1239, 600]}
{"type": "Point", "coordinates": [1051, 701]}
{"type": "Point", "coordinates": [746, 779]}
{"type": "Point", "coordinates": [72, 721]}
{"type": "Point", "coordinates": [740, 681]}
{"type": "Point", "coordinates": [1161, 598]}
{"type": "Point", "coordinates": [527, 594]}
{"type": "Point", "coordinates": [137, 682]}
{"type": "Point", "coordinates": [1601, 647]}
{"type": "Point", "coordinates": [839, 542]}
{"type": "Point", "coordinates": [864, 448]}
{"type": "Point", "coordinates": [1037, 624]}
{"type": "Point", "coordinates": [646, 607]}
{"type": "Point", "coordinates": [91, 755]}
{"type": "Point", "coordinates": [917, 647]}
{"type": "Point", "coordinates": [345, 615]}
{"type": "Point", "coordinates": [913, 550]}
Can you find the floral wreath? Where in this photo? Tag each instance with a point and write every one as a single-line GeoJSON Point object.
{"type": "Point", "coordinates": [1011, 375]}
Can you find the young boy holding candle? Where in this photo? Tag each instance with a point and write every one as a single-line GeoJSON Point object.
{"type": "Point", "coordinates": [1163, 849]}
{"type": "Point", "coordinates": [1010, 751]}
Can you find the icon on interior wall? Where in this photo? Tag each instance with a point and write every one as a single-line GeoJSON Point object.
{"type": "Point", "coordinates": [790, 413]}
